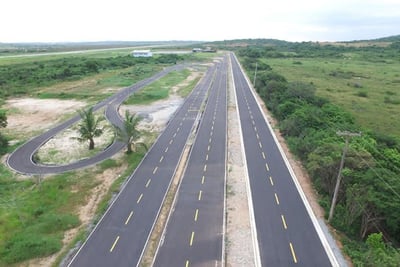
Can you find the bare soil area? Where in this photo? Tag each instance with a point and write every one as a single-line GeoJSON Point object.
{"type": "Point", "coordinates": [27, 116]}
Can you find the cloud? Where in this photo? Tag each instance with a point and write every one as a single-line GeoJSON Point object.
{"type": "Point", "coordinates": [90, 20]}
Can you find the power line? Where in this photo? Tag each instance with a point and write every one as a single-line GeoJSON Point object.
{"type": "Point", "coordinates": [376, 173]}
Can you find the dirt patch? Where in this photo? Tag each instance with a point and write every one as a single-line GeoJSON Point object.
{"type": "Point", "coordinates": [156, 115]}
{"type": "Point", "coordinates": [27, 116]}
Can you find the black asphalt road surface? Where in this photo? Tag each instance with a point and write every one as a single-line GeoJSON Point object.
{"type": "Point", "coordinates": [21, 160]}
{"type": "Point", "coordinates": [286, 235]}
{"type": "Point", "coordinates": [194, 234]}
{"type": "Point", "coordinates": [121, 235]}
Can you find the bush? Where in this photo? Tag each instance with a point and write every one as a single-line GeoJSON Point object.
{"type": "Point", "coordinates": [27, 245]}
{"type": "Point", "coordinates": [362, 94]}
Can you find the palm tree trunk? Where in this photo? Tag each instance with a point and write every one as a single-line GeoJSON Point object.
{"type": "Point", "coordinates": [128, 148]}
{"type": "Point", "coordinates": [91, 144]}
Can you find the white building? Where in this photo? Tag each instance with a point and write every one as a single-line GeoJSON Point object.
{"type": "Point", "coordinates": [142, 53]}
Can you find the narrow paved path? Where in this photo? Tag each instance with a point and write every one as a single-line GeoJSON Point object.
{"type": "Point", "coordinates": [21, 160]}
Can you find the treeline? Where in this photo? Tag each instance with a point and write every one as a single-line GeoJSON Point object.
{"type": "Point", "coordinates": [18, 79]}
{"type": "Point", "coordinates": [368, 207]}
{"type": "Point", "coordinates": [281, 49]}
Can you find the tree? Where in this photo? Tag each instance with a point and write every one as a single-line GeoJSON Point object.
{"type": "Point", "coordinates": [89, 128]}
{"type": "Point", "coordinates": [129, 134]}
{"type": "Point", "coordinates": [3, 139]}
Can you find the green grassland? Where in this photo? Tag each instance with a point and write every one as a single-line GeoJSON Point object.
{"type": "Point", "coordinates": [159, 89]}
{"type": "Point", "coordinates": [369, 91]}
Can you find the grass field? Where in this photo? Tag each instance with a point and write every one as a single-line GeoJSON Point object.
{"type": "Point", "coordinates": [369, 91]}
{"type": "Point", "coordinates": [159, 89]}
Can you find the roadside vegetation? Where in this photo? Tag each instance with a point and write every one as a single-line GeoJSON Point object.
{"type": "Point", "coordinates": [36, 212]}
{"type": "Point", "coordinates": [316, 90]}
{"type": "Point", "coordinates": [159, 89]}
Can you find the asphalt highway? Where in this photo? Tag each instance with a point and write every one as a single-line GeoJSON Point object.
{"type": "Point", "coordinates": [21, 160]}
{"type": "Point", "coordinates": [195, 229]}
{"type": "Point", "coordinates": [285, 232]}
{"type": "Point", "coordinates": [120, 237]}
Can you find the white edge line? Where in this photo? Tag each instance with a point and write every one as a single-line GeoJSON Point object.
{"type": "Point", "coordinates": [227, 58]}
{"type": "Point", "coordinates": [248, 189]}
{"type": "Point", "coordinates": [313, 218]}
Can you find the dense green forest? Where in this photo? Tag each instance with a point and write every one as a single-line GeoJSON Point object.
{"type": "Point", "coordinates": [368, 209]}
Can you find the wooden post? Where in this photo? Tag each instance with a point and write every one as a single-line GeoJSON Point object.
{"type": "Point", "coordinates": [347, 136]}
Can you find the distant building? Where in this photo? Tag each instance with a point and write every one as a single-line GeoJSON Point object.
{"type": "Point", "coordinates": [207, 50]}
{"type": "Point", "coordinates": [142, 53]}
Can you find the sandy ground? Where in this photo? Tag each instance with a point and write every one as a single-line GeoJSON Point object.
{"type": "Point", "coordinates": [27, 116]}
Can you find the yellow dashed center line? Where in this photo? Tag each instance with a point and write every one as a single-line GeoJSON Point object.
{"type": "Point", "coordinates": [174, 135]}
{"type": "Point", "coordinates": [284, 222]}
{"type": "Point", "coordinates": [258, 137]}
{"type": "Point", "coordinates": [202, 179]}
{"type": "Point", "coordinates": [205, 167]}
{"type": "Point", "coordinates": [206, 157]}
{"type": "Point", "coordinates": [148, 182]}
{"type": "Point", "coordinates": [211, 133]}
{"type": "Point", "coordinates": [196, 214]}
{"type": "Point", "coordinates": [200, 193]}
{"type": "Point", "coordinates": [166, 150]}
{"type": "Point", "coordinates": [271, 181]}
{"type": "Point", "coordinates": [263, 154]}
{"type": "Point", "coordinates": [277, 199]}
{"type": "Point", "coordinates": [266, 166]}
{"type": "Point", "coordinates": [293, 253]}
{"type": "Point", "coordinates": [161, 159]}
{"type": "Point", "coordinates": [114, 244]}
{"type": "Point", "coordinates": [155, 170]}
{"type": "Point", "coordinates": [191, 239]}
{"type": "Point", "coordinates": [209, 140]}
{"type": "Point", "coordinates": [208, 148]}
{"type": "Point", "coordinates": [129, 217]}
{"type": "Point", "coordinates": [139, 199]}
{"type": "Point", "coordinates": [171, 141]}
{"type": "Point", "coordinates": [187, 263]}
{"type": "Point", "coordinates": [259, 143]}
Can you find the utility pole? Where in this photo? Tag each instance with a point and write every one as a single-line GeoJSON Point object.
{"type": "Point", "coordinates": [347, 136]}
{"type": "Point", "coordinates": [255, 76]}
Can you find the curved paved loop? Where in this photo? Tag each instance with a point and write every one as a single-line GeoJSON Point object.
{"type": "Point", "coordinates": [21, 160]}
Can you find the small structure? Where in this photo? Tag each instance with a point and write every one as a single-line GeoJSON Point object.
{"type": "Point", "coordinates": [142, 53]}
{"type": "Point", "coordinates": [197, 50]}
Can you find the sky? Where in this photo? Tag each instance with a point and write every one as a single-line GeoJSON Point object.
{"type": "Point", "coordinates": [203, 20]}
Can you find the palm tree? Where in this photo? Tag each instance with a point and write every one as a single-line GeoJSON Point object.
{"type": "Point", "coordinates": [89, 127]}
{"type": "Point", "coordinates": [129, 134]}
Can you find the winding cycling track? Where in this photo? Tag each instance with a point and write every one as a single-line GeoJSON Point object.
{"type": "Point", "coordinates": [21, 160]}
